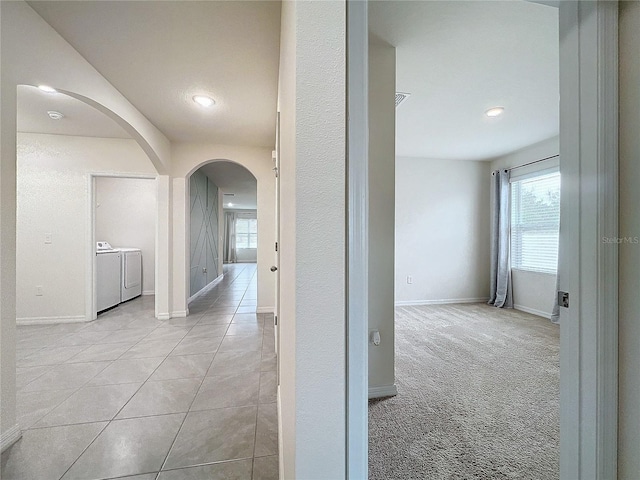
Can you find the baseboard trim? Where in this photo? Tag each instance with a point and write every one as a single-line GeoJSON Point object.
{"type": "Point", "coordinates": [265, 310]}
{"type": "Point", "coordinates": [180, 314]}
{"type": "Point", "coordinates": [383, 391]}
{"type": "Point", "coordinates": [444, 301]}
{"type": "Point", "coordinates": [532, 311]}
{"type": "Point", "coordinates": [205, 289]}
{"type": "Point", "coordinates": [163, 316]}
{"type": "Point", "coordinates": [10, 437]}
{"type": "Point", "coordinates": [148, 292]}
{"type": "Point", "coordinates": [50, 320]}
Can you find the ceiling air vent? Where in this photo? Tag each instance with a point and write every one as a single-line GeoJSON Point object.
{"type": "Point", "coordinates": [401, 97]}
{"type": "Point", "coordinates": [229, 194]}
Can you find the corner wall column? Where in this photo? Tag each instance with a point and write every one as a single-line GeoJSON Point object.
{"type": "Point", "coordinates": [163, 249]}
{"type": "Point", "coordinates": [180, 232]}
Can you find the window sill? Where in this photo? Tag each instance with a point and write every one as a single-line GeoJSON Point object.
{"type": "Point", "coordinates": [538, 272]}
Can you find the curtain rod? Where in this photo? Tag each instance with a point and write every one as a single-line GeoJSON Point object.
{"type": "Point", "coordinates": [525, 164]}
{"type": "Point", "coordinates": [535, 161]}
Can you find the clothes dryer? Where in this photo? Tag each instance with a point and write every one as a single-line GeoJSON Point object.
{"type": "Point", "coordinates": [131, 285]}
{"type": "Point", "coordinates": [108, 267]}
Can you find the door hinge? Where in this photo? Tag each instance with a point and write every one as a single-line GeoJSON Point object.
{"type": "Point", "coordinates": [563, 299]}
{"type": "Point", "coordinates": [276, 246]}
{"type": "Point", "coordinates": [276, 171]}
{"type": "Point", "coordinates": [275, 320]}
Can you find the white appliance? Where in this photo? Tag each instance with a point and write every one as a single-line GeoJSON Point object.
{"type": "Point", "coordinates": [131, 267]}
{"type": "Point", "coordinates": [108, 266]}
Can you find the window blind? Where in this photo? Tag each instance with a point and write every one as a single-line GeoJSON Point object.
{"type": "Point", "coordinates": [246, 233]}
{"type": "Point", "coordinates": [535, 223]}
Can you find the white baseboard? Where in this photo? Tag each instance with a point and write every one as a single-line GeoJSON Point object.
{"type": "Point", "coordinates": [444, 301]}
{"type": "Point", "coordinates": [205, 289]}
{"type": "Point", "coordinates": [10, 437]}
{"type": "Point", "coordinates": [148, 292]}
{"type": "Point", "coordinates": [533, 311]}
{"type": "Point", "coordinates": [163, 316]}
{"type": "Point", "coordinates": [383, 391]}
{"type": "Point", "coordinates": [180, 314]}
{"type": "Point", "coordinates": [265, 310]}
{"type": "Point", "coordinates": [50, 320]}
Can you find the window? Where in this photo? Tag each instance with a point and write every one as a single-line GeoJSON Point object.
{"type": "Point", "coordinates": [246, 233]}
{"type": "Point", "coordinates": [535, 223]}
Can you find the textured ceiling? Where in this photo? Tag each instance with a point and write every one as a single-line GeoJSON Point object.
{"type": "Point", "coordinates": [459, 58]}
{"type": "Point", "coordinates": [159, 54]}
{"type": "Point", "coordinates": [79, 118]}
{"type": "Point", "coordinates": [456, 58]}
{"type": "Point", "coordinates": [233, 178]}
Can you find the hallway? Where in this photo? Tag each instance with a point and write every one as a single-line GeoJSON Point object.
{"type": "Point", "coordinates": [129, 396]}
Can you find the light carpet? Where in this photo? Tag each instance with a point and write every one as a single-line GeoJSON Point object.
{"type": "Point", "coordinates": [478, 397]}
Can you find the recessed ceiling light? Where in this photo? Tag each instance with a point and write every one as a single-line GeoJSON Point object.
{"type": "Point", "coordinates": [494, 112]}
{"type": "Point", "coordinates": [47, 89]}
{"type": "Point", "coordinates": [53, 115]}
{"type": "Point", "coordinates": [204, 101]}
{"type": "Point", "coordinates": [229, 204]}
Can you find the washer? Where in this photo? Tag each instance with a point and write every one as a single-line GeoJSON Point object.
{"type": "Point", "coordinates": [108, 266]}
{"type": "Point", "coordinates": [131, 267]}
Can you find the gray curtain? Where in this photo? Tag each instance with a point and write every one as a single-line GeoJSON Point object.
{"type": "Point", "coordinates": [230, 237]}
{"type": "Point", "coordinates": [500, 293]}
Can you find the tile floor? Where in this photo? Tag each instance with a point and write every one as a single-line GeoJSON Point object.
{"type": "Point", "coordinates": [131, 397]}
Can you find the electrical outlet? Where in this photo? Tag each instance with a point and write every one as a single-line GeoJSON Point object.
{"type": "Point", "coordinates": [47, 238]}
{"type": "Point", "coordinates": [38, 290]}
{"type": "Point", "coordinates": [409, 280]}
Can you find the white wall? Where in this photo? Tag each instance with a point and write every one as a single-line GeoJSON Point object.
{"type": "Point", "coordinates": [186, 158]}
{"type": "Point", "coordinates": [629, 260]}
{"type": "Point", "coordinates": [382, 132]}
{"type": "Point", "coordinates": [533, 292]}
{"type": "Point", "coordinates": [33, 53]}
{"type": "Point", "coordinates": [442, 231]}
{"type": "Point", "coordinates": [311, 100]}
{"type": "Point", "coordinates": [126, 217]}
{"type": "Point", "coordinates": [54, 198]}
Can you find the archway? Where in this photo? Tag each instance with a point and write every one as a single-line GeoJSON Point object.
{"type": "Point", "coordinates": [259, 163]}
{"type": "Point", "coordinates": [40, 56]}
{"type": "Point", "coordinates": [222, 222]}
{"type": "Point", "coordinates": [67, 150]}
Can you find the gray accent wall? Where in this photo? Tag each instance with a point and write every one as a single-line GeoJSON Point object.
{"type": "Point", "coordinates": [204, 224]}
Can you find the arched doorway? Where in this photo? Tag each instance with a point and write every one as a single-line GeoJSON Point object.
{"type": "Point", "coordinates": [223, 222]}
{"type": "Point", "coordinates": [78, 175]}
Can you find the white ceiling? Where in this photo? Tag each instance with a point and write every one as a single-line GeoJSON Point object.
{"type": "Point", "coordinates": [233, 178]}
{"type": "Point", "coordinates": [459, 58]}
{"type": "Point", "coordinates": [79, 118]}
{"type": "Point", "coordinates": [456, 58]}
{"type": "Point", "coordinates": [159, 54]}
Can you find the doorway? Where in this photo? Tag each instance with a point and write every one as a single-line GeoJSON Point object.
{"type": "Point", "coordinates": [223, 222]}
{"type": "Point", "coordinates": [124, 212]}
{"type": "Point", "coordinates": [580, 164]}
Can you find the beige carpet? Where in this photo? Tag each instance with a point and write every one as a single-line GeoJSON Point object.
{"type": "Point", "coordinates": [478, 397]}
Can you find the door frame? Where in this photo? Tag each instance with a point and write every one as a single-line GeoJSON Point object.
{"type": "Point", "coordinates": [357, 255]}
{"type": "Point", "coordinates": [90, 287]}
{"type": "Point", "coordinates": [588, 265]}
